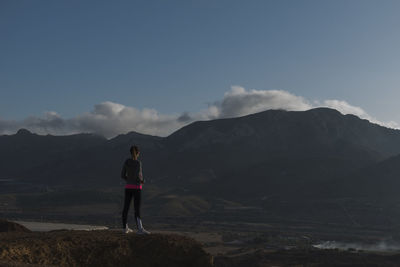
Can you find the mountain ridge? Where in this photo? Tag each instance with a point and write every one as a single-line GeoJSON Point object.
{"type": "Point", "coordinates": [270, 148]}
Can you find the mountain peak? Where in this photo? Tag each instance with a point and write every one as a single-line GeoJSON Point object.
{"type": "Point", "coordinates": [324, 110]}
{"type": "Point", "coordinates": [23, 131]}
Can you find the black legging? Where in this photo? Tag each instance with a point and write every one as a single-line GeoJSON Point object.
{"type": "Point", "coordinates": [137, 195]}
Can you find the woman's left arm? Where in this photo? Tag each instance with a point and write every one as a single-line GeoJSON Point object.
{"type": "Point", "coordinates": [123, 171]}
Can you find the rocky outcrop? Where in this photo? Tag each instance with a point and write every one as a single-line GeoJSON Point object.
{"type": "Point", "coordinates": [100, 248]}
{"type": "Point", "coordinates": [6, 226]}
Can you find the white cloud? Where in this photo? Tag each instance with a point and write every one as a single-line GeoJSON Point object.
{"type": "Point", "coordinates": [110, 119]}
{"type": "Point", "coordinates": [239, 102]}
{"type": "Point", "coordinates": [345, 107]}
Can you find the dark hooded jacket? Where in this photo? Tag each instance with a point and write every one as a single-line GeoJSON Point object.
{"type": "Point", "coordinates": [132, 172]}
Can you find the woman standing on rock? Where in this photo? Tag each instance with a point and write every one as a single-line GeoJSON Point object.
{"type": "Point", "coordinates": [132, 174]}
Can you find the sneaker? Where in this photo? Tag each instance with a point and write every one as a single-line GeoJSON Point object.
{"type": "Point", "coordinates": [127, 230]}
{"type": "Point", "coordinates": [143, 231]}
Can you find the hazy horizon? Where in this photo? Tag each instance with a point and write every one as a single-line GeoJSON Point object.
{"type": "Point", "coordinates": [41, 132]}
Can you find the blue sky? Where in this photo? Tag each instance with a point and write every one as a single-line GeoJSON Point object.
{"type": "Point", "coordinates": [172, 57]}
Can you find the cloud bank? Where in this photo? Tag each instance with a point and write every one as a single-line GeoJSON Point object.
{"type": "Point", "coordinates": [110, 119]}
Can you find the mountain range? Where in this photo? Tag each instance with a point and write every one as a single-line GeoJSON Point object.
{"type": "Point", "coordinates": [280, 153]}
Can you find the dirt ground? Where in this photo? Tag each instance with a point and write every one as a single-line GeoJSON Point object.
{"type": "Point", "coordinates": [100, 248]}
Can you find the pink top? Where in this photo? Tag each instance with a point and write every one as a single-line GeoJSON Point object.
{"type": "Point", "coordinates": [133, 186]}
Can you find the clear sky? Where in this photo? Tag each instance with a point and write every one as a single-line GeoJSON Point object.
{"type": "Point", "coordinates": [180, 56]}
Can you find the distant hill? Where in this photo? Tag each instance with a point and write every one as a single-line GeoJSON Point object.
{"type": "Point", "coordinates": [277, 152]}
{"type": "Point", "coordinates": [31, 156]}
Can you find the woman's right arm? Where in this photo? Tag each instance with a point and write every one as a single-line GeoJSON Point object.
{"type": "Point", "coordinates": [141, 173]}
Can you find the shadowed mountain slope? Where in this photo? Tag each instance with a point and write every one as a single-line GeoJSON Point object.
{"type": "Point", "coordinates": [378, 181]}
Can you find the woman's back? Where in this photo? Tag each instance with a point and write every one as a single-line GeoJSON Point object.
{"type": "Point", "coordinates": [132, 171]}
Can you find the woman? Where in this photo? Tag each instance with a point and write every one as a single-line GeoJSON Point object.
{"type": "Point", "coordinates": [132, 174]}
